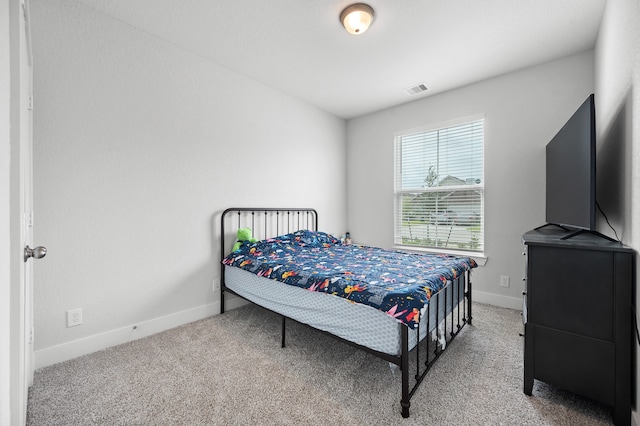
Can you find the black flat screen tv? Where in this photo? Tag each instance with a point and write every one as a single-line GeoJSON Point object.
{"type": "Point", "coordinates": [571, 171]}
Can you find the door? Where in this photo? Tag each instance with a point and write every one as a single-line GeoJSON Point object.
{"type": "Point", "coordinates": [26, 193]}
{"type": "Point", "coordinates": [25, 347]}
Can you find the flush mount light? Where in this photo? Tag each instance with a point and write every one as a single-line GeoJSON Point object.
{"type": "Point", "coordinates": [357, 18]}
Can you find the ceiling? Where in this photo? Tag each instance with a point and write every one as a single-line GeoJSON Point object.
{"type": "Point", "coordinates": [300, 48]}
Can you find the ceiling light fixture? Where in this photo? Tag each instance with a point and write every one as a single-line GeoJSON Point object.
{"type": "Point", "coordinates": [357, 18]}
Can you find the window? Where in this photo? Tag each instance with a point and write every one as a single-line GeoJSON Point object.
{"type": "Point", "coordinates": [439, 187]}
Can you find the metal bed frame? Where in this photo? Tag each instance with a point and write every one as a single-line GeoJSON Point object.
{"type": "Point", "coordinates": [284, 221]}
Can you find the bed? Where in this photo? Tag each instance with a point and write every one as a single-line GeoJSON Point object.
{"type": "Point", "coordinates": [400, 307]}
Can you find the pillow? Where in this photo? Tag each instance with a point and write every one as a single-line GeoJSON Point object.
{"type": "Point", "coordinates": [316, 238]}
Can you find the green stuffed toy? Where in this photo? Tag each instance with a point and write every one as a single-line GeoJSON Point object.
{"type": "Point", "coordinates": [244, 235]}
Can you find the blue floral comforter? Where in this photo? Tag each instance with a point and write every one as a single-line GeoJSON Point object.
{"type": "Point", "coordinates": [394, 282]}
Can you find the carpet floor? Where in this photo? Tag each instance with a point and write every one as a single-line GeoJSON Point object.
{"type": "Point", "coordinates": [230, 370]}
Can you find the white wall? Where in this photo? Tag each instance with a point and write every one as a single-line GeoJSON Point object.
{"type": "Point", "coordinates": [139, 145]}
{"type": "Point", "coordinates": [523, 111]}
{"type": "Point", "coordinates": [5, 213]}
{"type": "Point", "coordinates": [617, 81]}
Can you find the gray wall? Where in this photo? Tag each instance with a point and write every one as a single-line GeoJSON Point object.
{"type": "Point", "coordinates": [139, 146]}
{"type": "Point", "coordinates": [523, 111]}
{"type": "Point", "coordinates": [617, 65]}
{"type": "Point", "coordinates": [7, 350]}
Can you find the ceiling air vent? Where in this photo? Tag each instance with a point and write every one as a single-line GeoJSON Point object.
{"type": "Point", "coordinates": [416, 89]}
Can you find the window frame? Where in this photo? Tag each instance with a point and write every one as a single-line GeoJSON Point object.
{"type": "Point", "coordinates": [399, 190]}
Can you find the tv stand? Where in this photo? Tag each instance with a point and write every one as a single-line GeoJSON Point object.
{"type": "Point", "coordinates": [551, 224]}
{"type": "Point", "coordinates": [586, 231]}
{"type": "Point", "coordinates": [574, 232]}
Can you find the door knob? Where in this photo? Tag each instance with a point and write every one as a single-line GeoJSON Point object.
{"type": "Point", "coordinates": [37, 252]}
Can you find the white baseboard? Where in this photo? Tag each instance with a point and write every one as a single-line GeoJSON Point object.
{"type": "Point", "coordinates": [496, 300]}
{"type": "Point", "coordinates": [69, 350]}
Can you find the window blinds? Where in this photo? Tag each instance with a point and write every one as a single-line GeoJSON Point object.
{"type": "Point", "coordinates": [439, 187]}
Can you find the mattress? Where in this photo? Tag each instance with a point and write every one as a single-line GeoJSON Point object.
{"type": "Point", "coordinates": [395, 282]}
{"type": "Point", "coordinates": [357, 323]}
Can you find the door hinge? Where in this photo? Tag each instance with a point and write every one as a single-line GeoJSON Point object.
{"type": "Point", "coordinates": [30, 106]}
{"type": "Point", "coordinates": [28, 220]}
{"type": "Point", "coordinates": [31, 332]}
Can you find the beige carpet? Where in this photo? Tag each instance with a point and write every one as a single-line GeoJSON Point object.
{"type": "Point", "coordinates": [230, 369]}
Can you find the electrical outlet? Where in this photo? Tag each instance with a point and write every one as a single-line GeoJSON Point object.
{"type": "Point", "coordinates": [504, 280]}
{"type": "Point", "coordinates": [74, 317]}
{"type": "Point", "coordinates": [216, 284]}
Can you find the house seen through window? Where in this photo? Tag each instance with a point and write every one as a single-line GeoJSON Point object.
{"type": "Point", "coordinates": [439, 187]}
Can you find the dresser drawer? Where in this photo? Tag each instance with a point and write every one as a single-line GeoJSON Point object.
{"type": "Point", "coordinates": [573, 290]}
{"type": "Point", "coordinates": [576, 363]}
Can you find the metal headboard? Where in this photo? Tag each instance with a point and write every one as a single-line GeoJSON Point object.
{"type": "Point", "coordinates": [265, 223]}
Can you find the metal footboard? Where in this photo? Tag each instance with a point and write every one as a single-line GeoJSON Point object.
{"type": "Point", "coordinates": [427, 352]}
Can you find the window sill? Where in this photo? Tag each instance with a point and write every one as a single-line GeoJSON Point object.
{"type": "Point", "coordinates": [480, 258]}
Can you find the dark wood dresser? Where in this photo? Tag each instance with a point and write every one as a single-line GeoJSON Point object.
{"type": "Point", "coordinates": [577, 316]}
